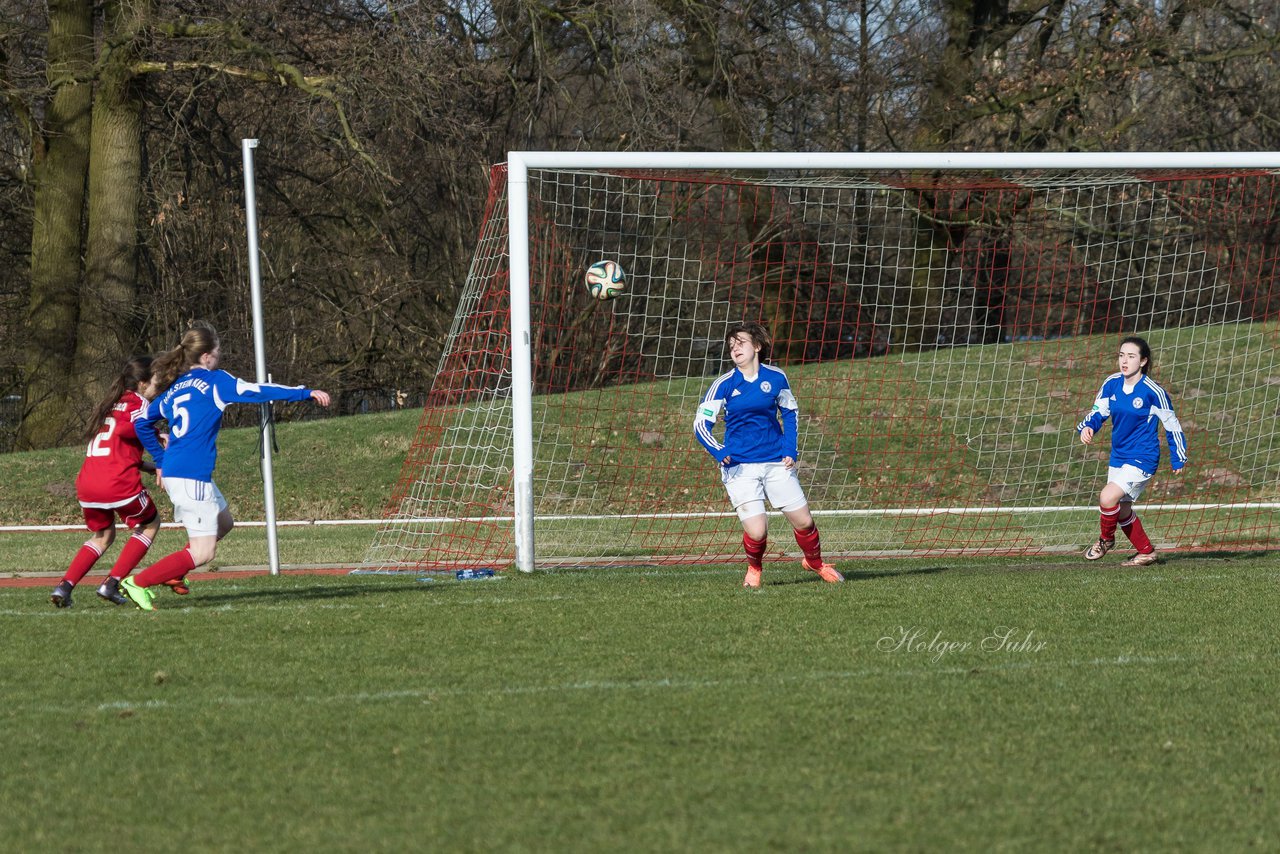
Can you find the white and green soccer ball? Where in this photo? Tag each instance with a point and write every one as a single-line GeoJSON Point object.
{"type": "Point", "coordinates": [606, 279]}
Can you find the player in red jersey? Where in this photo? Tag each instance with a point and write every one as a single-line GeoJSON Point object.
{"type": "Point", "coordinates": [109, 485]}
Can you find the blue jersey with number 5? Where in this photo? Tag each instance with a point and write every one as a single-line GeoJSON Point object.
{"type": "Point", "coordinates": [193, 406]}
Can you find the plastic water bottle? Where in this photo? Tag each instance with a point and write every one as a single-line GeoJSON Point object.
{"type": "Point", "coordinates": [468, 574]}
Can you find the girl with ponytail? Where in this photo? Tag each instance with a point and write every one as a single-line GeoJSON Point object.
{"type": "Point", "coordinates": [1137, 406]}
{"type": "Point", "coordinates": [191, 394]}
{"type": "Point", "coordinates": [109, 485]}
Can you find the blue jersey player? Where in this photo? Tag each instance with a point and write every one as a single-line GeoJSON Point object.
{"type": "Point", "coordinates": [1137, 406]}
{"type": "Point", "coordinates": [191, 394]}
{"type": "Point", "coordinates": [757, 454]}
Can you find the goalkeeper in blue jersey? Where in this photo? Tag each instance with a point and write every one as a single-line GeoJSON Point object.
{"type": "Point", "coordinates": [191, 394]}
{"type": "Point", "coordinates": [758, 454]}
{"type": "Point", "coordinates": [1137, 406]}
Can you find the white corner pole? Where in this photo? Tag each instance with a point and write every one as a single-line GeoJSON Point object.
{"type": "Point", "coordinates": [521, 360]}
{"type": "Point", "coordinates": [259, 351]}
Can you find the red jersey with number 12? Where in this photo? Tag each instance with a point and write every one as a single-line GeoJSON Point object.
{"type": "Point", "coordinates": [109, 476]}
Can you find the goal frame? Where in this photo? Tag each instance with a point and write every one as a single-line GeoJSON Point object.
{"type": "Point", "coordinates": [520, 162]}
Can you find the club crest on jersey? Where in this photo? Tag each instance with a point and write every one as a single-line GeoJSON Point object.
{"type": "Point", "coordinates": [1137, 403]}
{"type": "Point", "coordinates": [766, 387]}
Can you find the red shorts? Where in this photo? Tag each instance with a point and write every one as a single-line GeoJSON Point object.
{"type": "Point", "coordinates": [135, 513]}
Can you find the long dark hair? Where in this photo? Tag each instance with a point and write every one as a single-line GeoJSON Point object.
{"type": "Point", "coordinates": [201, 338]}
{"type": "Point", "coordinates": [758, 335]}
{"type": "Point", "coordinates": [1144, 351]}
{"type": "Point", "coordinates": [136, 372]}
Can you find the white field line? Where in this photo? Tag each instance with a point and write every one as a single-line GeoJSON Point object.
{"type": "Point", "coordinates": [292, 523]}
{"type": "Point", "coordinates": [869, 512]}
{"type": "Point", "coordinates": [674, 683]}
{"type": "Point", "coordinates": [193, 610]}
{"type": "Point", "coordinates": [873, 511]}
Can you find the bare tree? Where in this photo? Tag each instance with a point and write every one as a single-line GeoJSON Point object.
{"type": "Point", "coordinates": [85, 320]}
{"type": "Point", "coordinates": [60, 166]}
{"type": "Point", "coordinates": [1024, 75]}
{"type": "Point", "coordinates": [379, 123]}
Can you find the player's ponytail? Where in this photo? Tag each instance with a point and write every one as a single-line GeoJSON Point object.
{"type": "Point", "coordinates": [1144, 352]}
{"type": "Point", "coordinates": [136, 373]}
{"type": "Point", "coordinates": [171, 364]}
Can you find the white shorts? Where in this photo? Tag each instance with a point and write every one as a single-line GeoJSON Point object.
{"type": "Point", "coordinates": [196, 505]}
{"type": "Point", "coordinates": [748, 484]}
{"type": "Point", "coordinates": [1131, 479]}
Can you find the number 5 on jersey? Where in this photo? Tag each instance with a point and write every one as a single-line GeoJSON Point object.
{"type": "Point", "coordinates": [180, 421]}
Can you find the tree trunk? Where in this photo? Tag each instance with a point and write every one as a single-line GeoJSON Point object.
{"type": "Point", "coordinates": [110, 319]}
{"type": "Point", "coordinates": [968, 25]}
{"type": "Point", "coordinates": [49, 417]}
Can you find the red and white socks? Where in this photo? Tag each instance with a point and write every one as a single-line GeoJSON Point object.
{"type": "Point", "coordinates": [84, 560]}
{"type": "Point", "coordinates": [1132, 528]}
{"type": "Point", "coordinates": [1131, 525]}
{"type": "Point", "coordinates": [1108, 520]}
{"type": "Point", "coordinates": [169, 568]}
{"type": "Point", "coordinates": [131, 555]}
{"type": "Point", "coordinates": [808, 540]}
{"type": "Point", "coordinates": [811, 544]}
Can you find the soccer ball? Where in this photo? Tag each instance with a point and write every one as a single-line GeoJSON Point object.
{"type": "Point", "coordinates": [605, 279]}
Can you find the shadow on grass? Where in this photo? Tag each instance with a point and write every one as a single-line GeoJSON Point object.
{"type": "Point", "coordinates": [1060, 562]}
{"type": "Point", "coordinates": [861, 575]}
{"type": "Point", "coordinates": [921, 570]}
{"type": "Point", "coordinates": [1219, 555]}
{"type": "Point", "coordinates": [199, 599]}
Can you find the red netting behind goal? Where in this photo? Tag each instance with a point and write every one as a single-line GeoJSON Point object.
{"type": "Point", "coordinates": [943, 333]}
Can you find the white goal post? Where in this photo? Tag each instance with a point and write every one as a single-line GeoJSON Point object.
{"type": "Point", "coordinates": [1010, 228]}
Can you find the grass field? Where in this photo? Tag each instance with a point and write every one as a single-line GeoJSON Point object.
{"type": "Point", "coordinates": [929, 704]}
{"type": "Point", "coordinates": [1015, 705]}
{"type": "Point", "coordinates": [336, 468]}
{"type": "Point", "coordinates": [962, 431]}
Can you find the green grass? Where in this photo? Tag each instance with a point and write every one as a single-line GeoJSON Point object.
{"type": "Point", "coordinates": [627, 709]}
{"type": "Point", "coordinates": [863, 429]}
{"type": "Point", "coordinates": [662, 710]}
{"type": "Point", "coordinates": [998, 422]}
{"type": "Point", "coordinates": [340, 468]}
{"type": "Point", "coordinates": [51, 551]}
{"type": "Point", "coordinates": [981, 427]}
{"type": "Point", "coordinates": [336, 468]}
